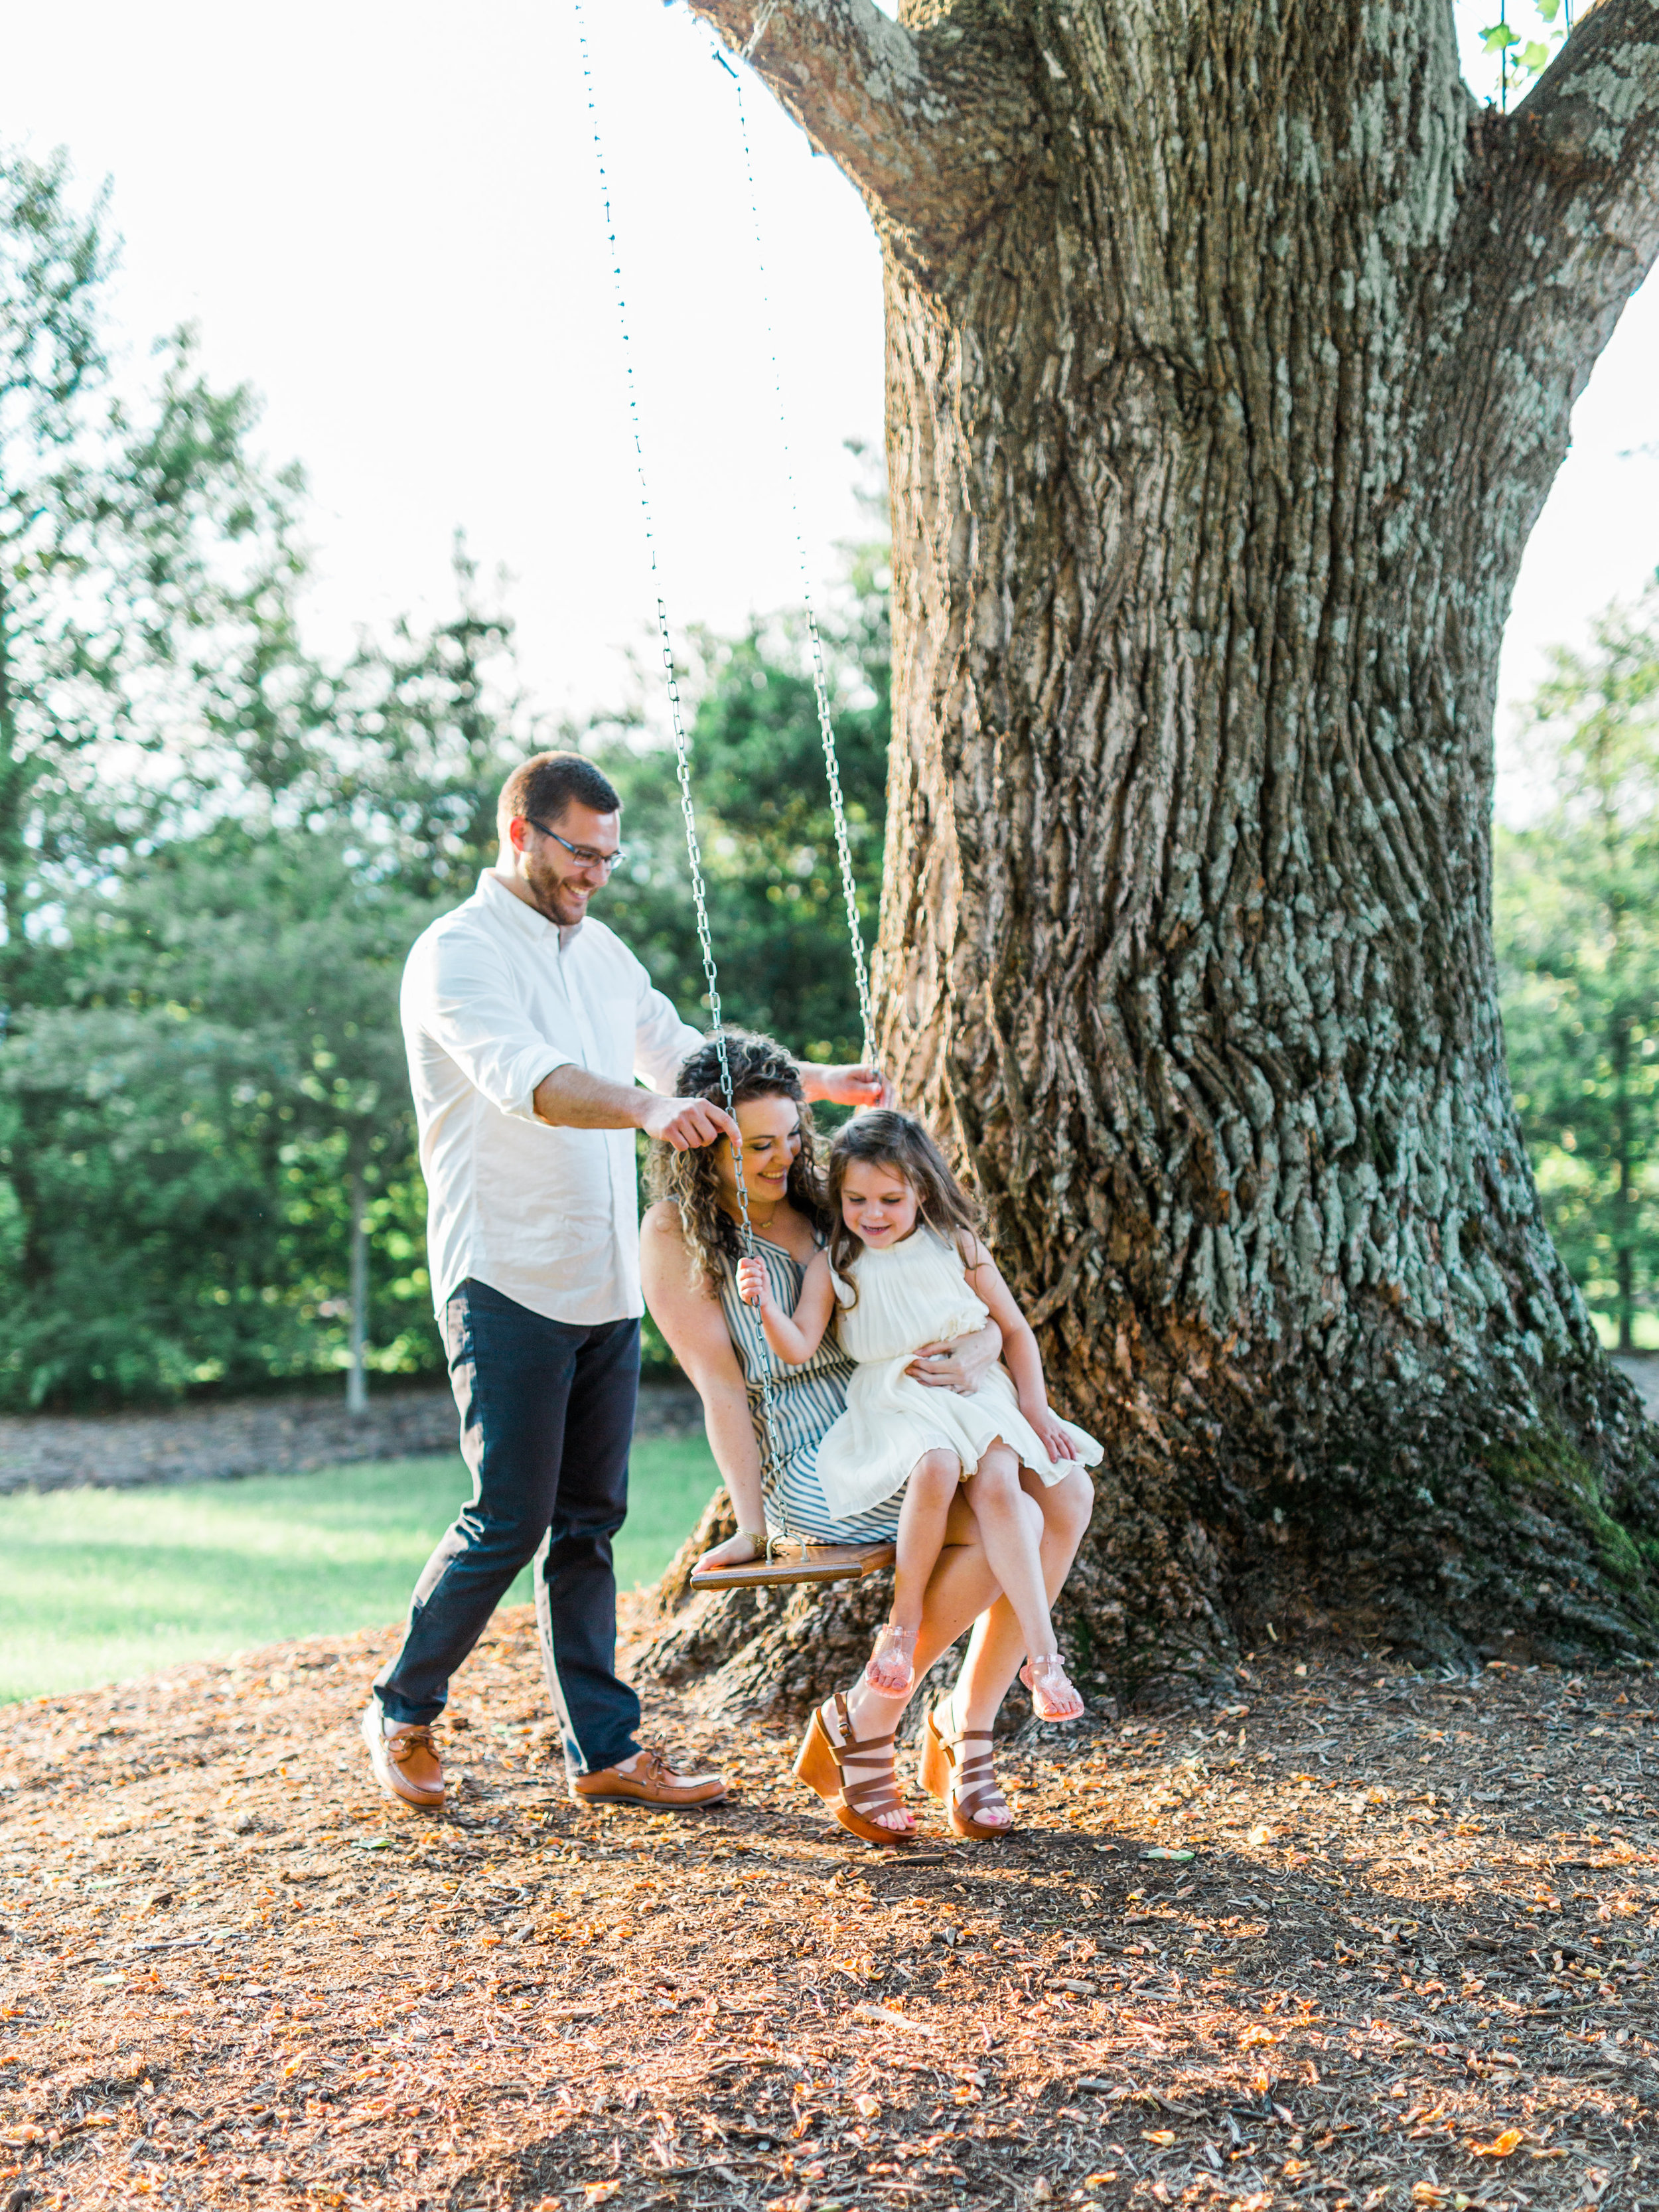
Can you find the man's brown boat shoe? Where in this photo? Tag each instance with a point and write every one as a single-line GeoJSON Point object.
{"type": "Point", "coordinates": [650, 1781]}
{"type": "Point", "coordinates": [406, 1762]}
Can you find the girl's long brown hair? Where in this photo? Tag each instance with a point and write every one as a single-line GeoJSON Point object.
{"type": "Point", "coordinates": [886, 1138]}
{"type": "Point", "coordinates": [761, 1068]}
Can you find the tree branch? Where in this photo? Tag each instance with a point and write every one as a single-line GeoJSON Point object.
{"type": "Point", "coordinates": [1589, 135]}
{"type": "Point", "coordinates": [931, 125]}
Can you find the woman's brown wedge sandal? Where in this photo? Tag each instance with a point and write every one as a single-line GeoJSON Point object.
{"type": "Point", "coordinates": [966, 1786]}
{"type": "Point", "coordinates": [821, 1765]}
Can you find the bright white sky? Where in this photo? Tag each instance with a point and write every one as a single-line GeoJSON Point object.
{"type": "Point", "coordinates": [387, 220]}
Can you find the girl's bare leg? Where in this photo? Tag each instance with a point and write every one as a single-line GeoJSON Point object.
{"type": "Point", "coordinates": [932, 1483]}
{"type": "Point", "coordinates": [959, 1589]}
{"type": "Point", "coordinates": [998, 1645]}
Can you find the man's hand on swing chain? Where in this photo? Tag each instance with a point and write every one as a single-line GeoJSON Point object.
{"type": "Point", "coordinates": [687, 1124]}
{"type": "Point", "coordinates": [860, 1086]}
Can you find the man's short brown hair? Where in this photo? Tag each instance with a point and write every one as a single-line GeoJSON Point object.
{"type": "Point", "coordinates": [543, 787]}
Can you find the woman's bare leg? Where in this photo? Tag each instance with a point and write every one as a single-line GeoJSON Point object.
{"type": "Point", "coordinates": [929, 1493]}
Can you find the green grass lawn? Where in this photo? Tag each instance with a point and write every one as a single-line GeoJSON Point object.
{"type": "Point", "coordinates": [101, 1585]}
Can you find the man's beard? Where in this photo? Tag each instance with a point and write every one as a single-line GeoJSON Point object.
{"type": "Point", "coordinates": [556, 898]}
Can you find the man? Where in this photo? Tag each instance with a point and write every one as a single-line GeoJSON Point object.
{"type": "Point", "coordinates": [526, 1024]}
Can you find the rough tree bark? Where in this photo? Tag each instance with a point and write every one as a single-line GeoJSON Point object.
{"type": "Point", "coordinates": [1230, 352]}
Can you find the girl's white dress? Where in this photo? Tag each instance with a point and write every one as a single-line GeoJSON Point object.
{"type": "Point", "coordinates": [910, 1294]}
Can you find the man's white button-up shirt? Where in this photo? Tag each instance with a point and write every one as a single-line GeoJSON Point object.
{"type": "Point", "coordinates": [495, 997]}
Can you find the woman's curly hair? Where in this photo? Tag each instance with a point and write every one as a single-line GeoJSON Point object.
{"type": "Point", "coordinates": [761, 1068]}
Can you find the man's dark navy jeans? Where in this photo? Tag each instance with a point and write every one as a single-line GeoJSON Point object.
{"type": "Point", "coordinates": [547, 1415]}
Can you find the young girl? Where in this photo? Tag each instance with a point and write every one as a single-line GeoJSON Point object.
{"type": "Point", "coordinates": [904, 1268]}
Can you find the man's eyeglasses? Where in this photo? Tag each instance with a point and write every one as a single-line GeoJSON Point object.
{"type": "Point", "coordinates": [583, 855]}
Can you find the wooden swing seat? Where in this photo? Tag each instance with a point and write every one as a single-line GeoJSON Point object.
{"type": "Point", "coordinates": [810, 1562]}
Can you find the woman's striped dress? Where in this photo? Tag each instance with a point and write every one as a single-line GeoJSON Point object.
{"type": "Point", "coordinates": [805, 1399]}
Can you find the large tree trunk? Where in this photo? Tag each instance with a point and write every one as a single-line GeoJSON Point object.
{"type": "Point", "coordinates": [1231, 350]}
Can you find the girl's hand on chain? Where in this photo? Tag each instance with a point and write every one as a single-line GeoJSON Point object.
{"type": "Point", "coordinates": [752, 1286]}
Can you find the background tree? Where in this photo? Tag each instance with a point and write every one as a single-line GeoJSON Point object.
{"type": "Point", "coordinates": [50, 265]}
{"type": "Point", "coordinates": [126, 537]}
{"type": "Point", "coordinates": [133, 548]}
{"type": "Point", "coordinates": [427, 725]}
{"type": "Point", "coordinates": [1577, 926]}
{"type": "Point", "coordinates": [220, 1114]}
{"type": "Point", "coordinates": [763, 820]}
{"type": "Point", "coordinates": [1229, 358]}
{"type": "Point", "coordinates": [215, 851]}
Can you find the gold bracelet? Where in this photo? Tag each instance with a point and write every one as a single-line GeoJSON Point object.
{"type": "Point", "coordinates": [758, 1540]}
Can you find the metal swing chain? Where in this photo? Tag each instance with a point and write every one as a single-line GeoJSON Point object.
{"type": "Point", "coordinates": [820, 680]}
{"type": "Point", "coordinates": [770, 1473]}
{"type": "Point", "coordinates": [764, 15]}
{"type": "Point", "coordinates": [771, 1470]}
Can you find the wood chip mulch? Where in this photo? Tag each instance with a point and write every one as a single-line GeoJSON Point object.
{"type": "Point", "coordinates": [1344, 1936]}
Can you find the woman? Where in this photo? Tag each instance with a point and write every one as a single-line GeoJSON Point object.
{"type": "Point", "coordinates": [690, 1243]}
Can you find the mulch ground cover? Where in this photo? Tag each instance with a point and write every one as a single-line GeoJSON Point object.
{"type": "Point", "coordinates": [1342, 1935]}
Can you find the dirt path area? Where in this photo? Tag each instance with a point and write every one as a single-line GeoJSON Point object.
{"type": "Point", "coordinates": [290, 1436]}
{"type": "Point", "coordinates": [1642, 1368]}
{"type": "Point", "coordinates": [257, 1436]}
{"type": "Point", "coordinates": [1343, 1937]}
